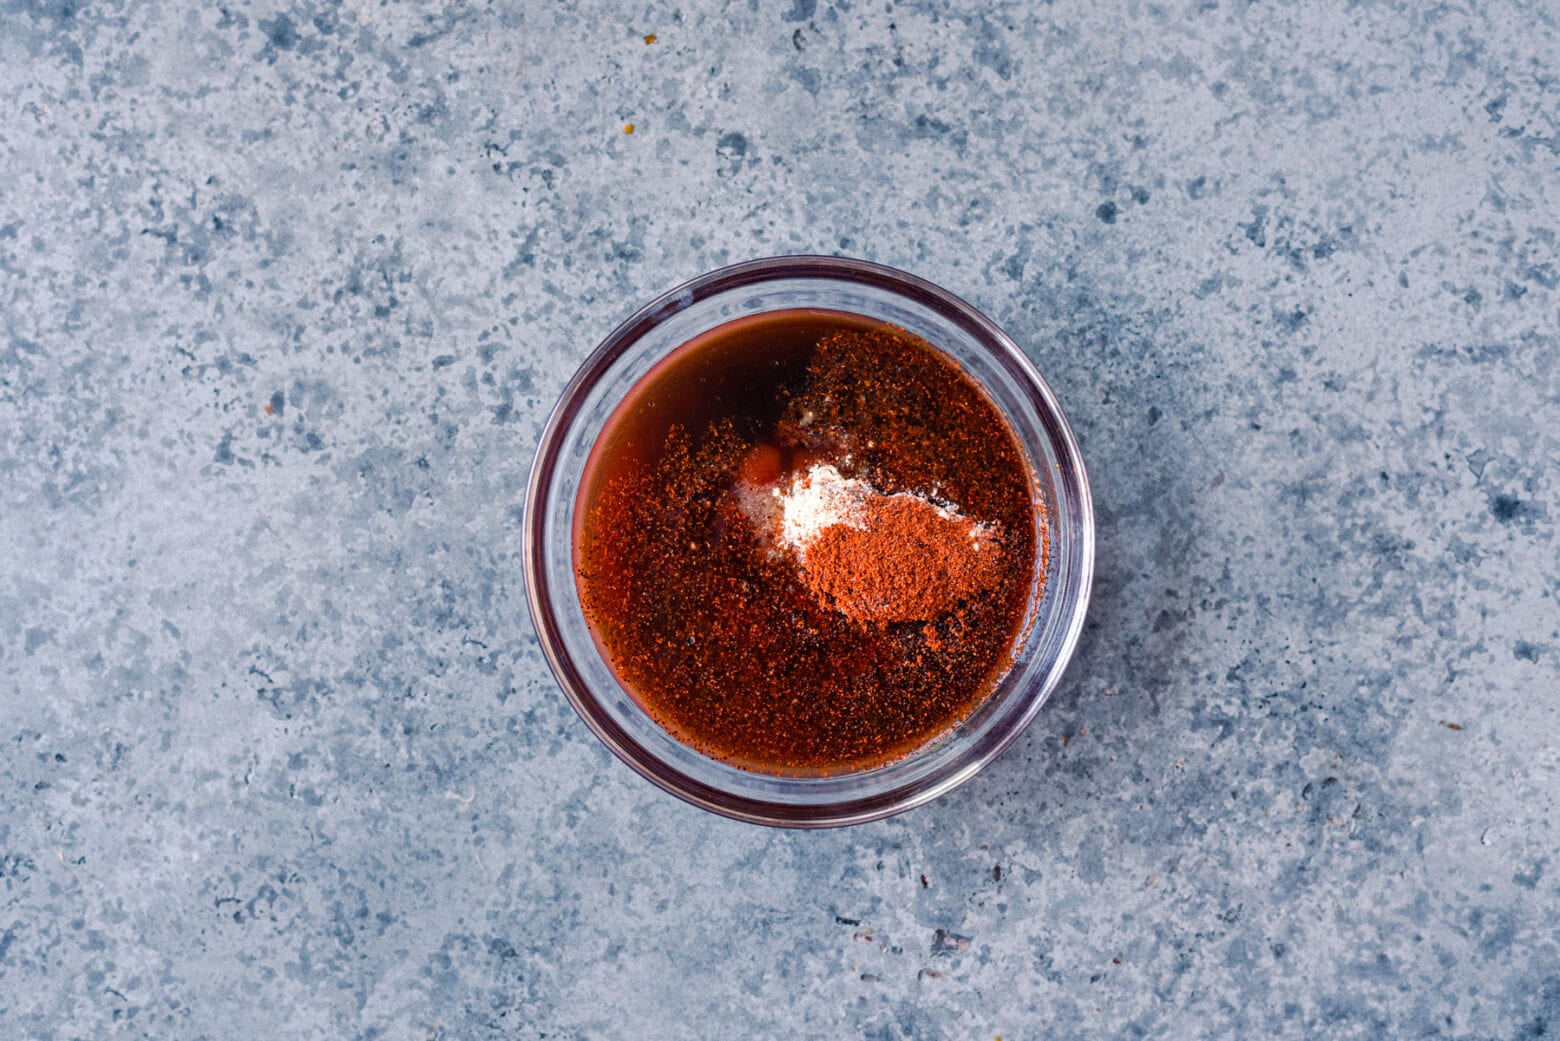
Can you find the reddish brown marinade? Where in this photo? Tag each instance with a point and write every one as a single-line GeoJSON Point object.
{"type": "Point", "coordinates": [723, 637]}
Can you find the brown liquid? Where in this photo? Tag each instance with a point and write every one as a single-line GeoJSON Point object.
{"type": "Point", "coordinates": [709, 626]}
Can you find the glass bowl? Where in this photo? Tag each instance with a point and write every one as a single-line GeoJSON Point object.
{"type": "Point", "coordinates": [1009, 380]}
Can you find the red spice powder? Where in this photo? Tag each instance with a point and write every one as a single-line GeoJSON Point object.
{"type": "Point", "coordinates": [909, 562]}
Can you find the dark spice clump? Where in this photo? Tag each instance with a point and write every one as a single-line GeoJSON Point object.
{"type": "Point", "coordinates": [722, 635]}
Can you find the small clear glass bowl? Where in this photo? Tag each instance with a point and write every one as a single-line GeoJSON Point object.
{"type": "Point", "coordinates": [836, 284]}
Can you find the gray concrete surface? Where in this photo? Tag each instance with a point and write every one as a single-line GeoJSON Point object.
{"type": "Point", "coordinates": [287, 292]}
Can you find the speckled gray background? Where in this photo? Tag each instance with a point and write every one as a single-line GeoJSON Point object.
{"type": "Point", "coordinates": [287, 292]}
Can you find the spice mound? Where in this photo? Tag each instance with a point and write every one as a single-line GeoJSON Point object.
{"type": "Point", "coordinates": [885, 558]}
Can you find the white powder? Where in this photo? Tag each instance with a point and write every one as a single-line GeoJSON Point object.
{"type": "Point", "coordinates": [820, 499]}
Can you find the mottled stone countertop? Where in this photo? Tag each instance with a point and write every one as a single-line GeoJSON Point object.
{"type": "Point", "coordinates": [289, 289]}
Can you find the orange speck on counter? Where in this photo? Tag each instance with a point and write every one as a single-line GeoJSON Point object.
{"type": "Point", "coordinates": [628, 128]}
{"type": "Point", "coordinates": [270, 410]}
{"type": "Point", "coordinates": [650, 39]}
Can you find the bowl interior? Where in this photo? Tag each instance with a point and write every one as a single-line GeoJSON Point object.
{"type": "Point", "coordinates": [985, 354]}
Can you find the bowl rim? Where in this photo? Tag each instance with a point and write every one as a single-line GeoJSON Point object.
{"type": "Point", "coordinates": [544, 464]}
